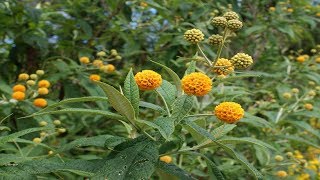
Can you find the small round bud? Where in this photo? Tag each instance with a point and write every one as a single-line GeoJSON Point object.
{"type": "Point", "coordinates": [318, 88]}
{"type": "Point", "coordinates": [313, 51]}
{"type": "Point", "coordinates": [193, 36]}
{"type": "Point", "coordinates": [272, 9]}
{"type": "Point", "coordinates": [295, 90]}
{"type": "Point", "coordinates": [241, 60]}
{"type": "Point", "coordinates": [33, 76]}
{"type": "Point", "coordinates": [308, 106]}
{"type": "Point", "coordinates": [97, 63]}
{"type": "Point", "coordinates": [287, 95]}
{"type": "Point", "coordinates": [234, 25]}
{"type": "Point", "coordinates": [231, 15]}
{"type": "Point", "coordinates": [101, 54]}
{"type": "Point", "coordinates": [113, 52]}
{"type": "Point", "coordinates": [118, 57]}
{"type": "Point", "coordinates": [311, 83]}
{"type": "Point", "coordinates": [312, 93]}
{"type": "Point", "coordinates": [43, 91]}
{"type": "Point", "coordinates": [215, 39]}
{"type": "Point", "coordinates": [37, 140]}
{"type": "Point", "coordinates": [31, 82]}
{"type": "Point", "coordinates": [42, 134]}
{"type": "Point", "coordinates": [40, 72]}
{"type": "Point", "coordinates": [23, 77]}
{"type": "Point", "coordinates": [282, 174]}
{"type": "Point", "coordinates": [57, 122]}
{"type": "Point", "coordinates": [62, 130]}
{"type": "Point", "coordinates": [219, 21]}
{"type": "Point", "coordinates": [278, 158]}
{"type": "Point", "coordinates": [84, 60]}
{"type": "Point", "coordinates": [289, 154]}
{"type": "Point", "coordinates": [166, 159]}
{"type": "Point", "coordinates": [50, 152]}
{"type": "Point", "coordinates": [43, 123]}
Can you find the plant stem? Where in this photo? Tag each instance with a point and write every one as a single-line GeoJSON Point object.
{"type": "Point", "coordinates": [221, 46]}
{"type": "Point", "coordinates": [165, 103]}
{"type": "Point", "coordinates": [205, 57]}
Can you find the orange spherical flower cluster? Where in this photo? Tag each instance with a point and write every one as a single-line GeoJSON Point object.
{"type": "Point", "coordinates": [19, 87]}
{"type": "Point", "coordinates": [18, 95]}
{"type": "Point", "coordinates": [40, 102]}
{"type": "Point", "coordinates": [229, 112]}
{"type": "Point", "coordinates": [94, 77]}
{"type": "Point", "coordinates": [43, 84]}
{"type": "Point", "coordinates": [84, 60]}
{"type": "Point", "coordinates": [308, 106]}
{"type": "Point", "coordinates": [302, 58]}
{"type": "Point", "coordinates": [43, 91]}
{"type": "Point", "coordinates": [224, 67]}
{"type": "Point", "coordinates": [166, 159]}
{"type": "Point", "coordinates": [148, 80]}
{"type": "Point", "coordinates": [197, 84]}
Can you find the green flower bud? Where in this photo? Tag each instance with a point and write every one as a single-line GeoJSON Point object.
{"type": "Point", "coordinates": [234, 25]}
{"type": "Point", "coordinates": [194, 36]}
{"type": "Point", "coordinates": [231, 15]}
{"type": "Point", "coordinates": [241, 60]}
{"type": "Point", "coordinates": [215, 39]}
{"type": "Point", "coordinates": [219, 21]}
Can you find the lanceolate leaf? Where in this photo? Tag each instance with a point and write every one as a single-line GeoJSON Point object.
{"type": "Point", "coordinates": [13, 136]}
{"type": "Point", "coordinates": [131, 91]}
{"type": "Point", "coordinates": [243, 161]}
{"type": "Point", "coordinates": [173, 75]}
{"type": "Point", "coordinates": [98, 141]}
{"type": "Point", "coordinates": [306, 127]}
{"type": "Point", "coordinates": [82, 111]}
{"type": "Point", "coordinates": [67, 101]}
{"type": "Point", "coordinates": [168, 92]}
{"type": "Point", "coordinates": [134, 159]}
{"type": "Point", "coordinates": [222, 130]}
{"type": "Point", "coordinates": [191, 68]}
{"type": "Point", "coordinates": [174, 170]}
{"type": "Point", "coordinates": [118, 101]}
{"type": "Point", "coordinates": [165, 126]}
{"type": "Point", "coordinates": [235, 140]}
{"type": "Point", "coordinates": [152, 106]}
{"type": "Point", "coordinates": [181, 107]}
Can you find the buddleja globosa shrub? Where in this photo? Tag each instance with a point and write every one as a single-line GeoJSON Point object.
{"type": "Point", "coordinates": [188, 119]}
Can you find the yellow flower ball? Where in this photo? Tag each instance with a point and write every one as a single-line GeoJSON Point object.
{"type": "Point", "coordinates": [94, 77]}
{"type": "Point", "coordinates": [225, 67]}
{"type": "Point", "coordinates": [43, 83]}
{"type": "Point", "coordinates": [43, 123]}
{"type": "Point", "coordinates": [318, 14]}
{"type": "Point", "coordinates": [278, 158]}
{"type": "Point", "coordinates": [166, 159]}
{"type": "Point", "coordinates": [37, 140]}
{"type": "Point", "coordinates": [31, 82]}
{"type": "Point", "coordinates": [62, 130]}
{"type": "Point", "coordinates": [84, 60]}
{"type": "Point", "coordinates": [19, 87]}
{"type": "Point", "coordinates": [23, 77]}
{"type": "Point", "coordinates": [40, 102]}
{"type": "Point", "coordinates": [289, 10]}
{"type": "Point", "coordinates": [287, 95]}
{"type": "Point", "coordinates": [19, 96]}
{"type": "Point", "coordinates": [101, 54]}
{"type": "Point", "coordinates": [197, 84]}
{"type": "Point", "coordinates": [57, 122]}
{"type": "Point", "coordinates": [295, 90]}
{"type": "Point", "coordinates": [272, 9]}
{"type": "Point", "coordinates": [148, 80]}
{"type": "Point", "coordinates": [43, 91]}
{"type": "Point", "coordinates": [40, 72]}
{"type": "Point", "coordinates": [108, 68]}
{"type": "Point", "coordinates": [97, 63]}
{"type": "Point", "coordinates": [308, 106]}
{"type": "Point", "coordinates": [282, 174]}
{"type": "Point", "coordinates": [229, 112]}
{"type": "Point", "coordinates": [33, 76]}
{"type": "Point", "coordinates": [50, 152]}
{"type": "Point", "coordinates": [318, 60]}
{"type": "Point", "coordinates": [301, 59]}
